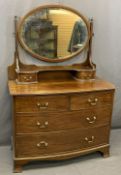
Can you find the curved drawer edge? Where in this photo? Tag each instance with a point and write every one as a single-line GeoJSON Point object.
{"type": "Point", "coordinates": [104, 149]}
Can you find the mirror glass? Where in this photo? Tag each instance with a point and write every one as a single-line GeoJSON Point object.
{"type": "Point", "coordinates": [53, 33]}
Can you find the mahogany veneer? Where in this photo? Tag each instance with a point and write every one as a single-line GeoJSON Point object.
{"type": "Point", "coordinates": [60, 119]}
{"type": "Point", "coordinates": [59, 112]}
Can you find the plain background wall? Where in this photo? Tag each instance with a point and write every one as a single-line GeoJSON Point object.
{"type": "Point", "coordinates": [106, 48]}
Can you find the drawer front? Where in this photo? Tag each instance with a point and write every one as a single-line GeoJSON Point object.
{"type": "Point", "coordinates": [26, 78]}
{"type": "Point", "coordinates": [57, 142]}
{"type": "Point", "coordinates": [62, 121]}
{"type": "Point", "coordinates": [41, 103]}
{"type": "Point", "coordinates": [87, 100]}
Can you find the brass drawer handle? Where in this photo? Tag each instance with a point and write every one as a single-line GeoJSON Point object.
{"type": "Point", "coordinates": [91, 120]}
{"type": "Point", "coordinates": [42, 144]}
{"type": "Point", "coordinates": [90, 140]}
{"type": "Point", "coordinates": [28, 78]}
{"type": "Point", "coordinates": [42, 106]}
{"type": "Point", "coordinates": [93, 102]}
{"type": "Point", "coordinates": [42, 126]}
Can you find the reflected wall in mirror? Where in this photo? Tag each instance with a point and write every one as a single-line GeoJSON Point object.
{"type": "Point", "coordinates": [53, 33]}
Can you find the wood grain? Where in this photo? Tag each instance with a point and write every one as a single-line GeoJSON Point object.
{"type": "Point", "coordinates": [65, 114]}
{"type": "Point", "coordinates": [26, 144]}
{"type": "Point", "coordinates": [28, 123]}
{"type": "Point", "coordinates": [68, 132]}
{"type": "Point", "coordinates": [55, 87]}
{"type": "Point", "coordinates": [41, 103]}
{"type": "Point", "coordinates": [88, 100]}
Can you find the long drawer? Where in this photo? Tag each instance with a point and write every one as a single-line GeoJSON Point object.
{"type": "Point", "coordinates": [56, 142]}
{"type": "Point", "coordinates": [87, 100]}
{"type": "Point", "coordinates": [41, 103]}
{"type": "Point", "coordinates": [62, 121]}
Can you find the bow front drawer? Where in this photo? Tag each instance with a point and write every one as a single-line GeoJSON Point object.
{"type": "Point", "coordinates": [87, 100]}
{"type": "Point", "coordinates": [41, 103]}
{"type": "Point", "coordinates": [56, 142]}
{"type": "Point", "coordinates": [44, 122]}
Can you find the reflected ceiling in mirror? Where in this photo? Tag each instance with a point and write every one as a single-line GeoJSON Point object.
{"type": "Point", "coordinates": [53, 33]}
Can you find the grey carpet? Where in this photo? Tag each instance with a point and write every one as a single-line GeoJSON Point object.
{"type": "Point", "coordinates": [93, 164]}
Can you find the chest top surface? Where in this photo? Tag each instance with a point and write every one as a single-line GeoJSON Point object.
{"type": "Point", "coordinates": [72, 86]}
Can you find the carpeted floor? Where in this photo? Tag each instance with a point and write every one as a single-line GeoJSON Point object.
{"type": "Point", "coordinates": [93, 164]}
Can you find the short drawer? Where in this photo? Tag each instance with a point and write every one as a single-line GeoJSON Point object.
{"type": "Point", "coordinates": [26, 77]}
{"type": "Point", "coordinates": [61, 121]}
{"type": "Point", "coordinates": [87, 100]}
{"type": "Point", "coordinates": [57, 142]}
{"type": "Point", "coordinates": [41, 103]}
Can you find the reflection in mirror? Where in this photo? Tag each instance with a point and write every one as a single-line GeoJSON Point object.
{"type": "Point", "coordinates": [53, 33]}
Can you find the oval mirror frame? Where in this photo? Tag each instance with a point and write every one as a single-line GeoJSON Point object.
{"type": "Point", "coordinates": [55, 60]}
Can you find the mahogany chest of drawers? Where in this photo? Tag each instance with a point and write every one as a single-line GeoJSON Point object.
{"type": "Point", "coordinates": [60, 121]}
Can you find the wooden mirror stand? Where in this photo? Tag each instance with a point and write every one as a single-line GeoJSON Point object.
{"type": "Point", "coordinates": [25, 74]}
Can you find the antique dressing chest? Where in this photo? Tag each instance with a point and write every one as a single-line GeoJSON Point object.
{"type": "Point", "coordinates": [59, 112]}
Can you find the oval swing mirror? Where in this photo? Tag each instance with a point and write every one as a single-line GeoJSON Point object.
{"type": "Point", "coordinates": [53, 33]}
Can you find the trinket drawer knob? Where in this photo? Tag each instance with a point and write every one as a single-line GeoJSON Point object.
{"type": "Point", "coordinates": [42, 105]}
{"type": "Point", "coordinates": [28, 78]}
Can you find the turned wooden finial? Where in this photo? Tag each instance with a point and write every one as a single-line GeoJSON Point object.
{"type": "Point", "coordinates": [16, 54]}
